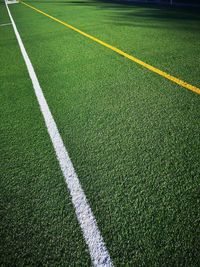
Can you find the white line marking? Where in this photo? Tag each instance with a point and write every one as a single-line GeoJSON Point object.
{"type": "Point", "coordinates": [98, 251]}
{"type": "Point", "coordinates": [10, 2]}
{"type": "Point", "coordinates": [5, 24]}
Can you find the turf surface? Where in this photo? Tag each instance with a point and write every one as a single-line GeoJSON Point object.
{"type": "Point", "coordinates": [38, 225]}
{"type": "Point", "coordinates": [133, 136]}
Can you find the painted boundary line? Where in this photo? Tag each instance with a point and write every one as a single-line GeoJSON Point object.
{"type": "Point", "coordinates": [5, 24]}
{"type": "Point", "coordinates": [98, 251]}
{"type": "Point", "coordinates": [120, 52]}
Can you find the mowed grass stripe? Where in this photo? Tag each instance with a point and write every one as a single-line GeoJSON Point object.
{"type": "Point", "coordinates": [92, 235]}
{"type": "Point", "coordinates": [122, 53]}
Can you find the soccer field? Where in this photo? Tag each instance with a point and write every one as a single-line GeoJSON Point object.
{"type": "Point", "coordinates": [122, 82]}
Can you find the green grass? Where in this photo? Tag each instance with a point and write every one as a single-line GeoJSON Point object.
{"type": "Point", "coordinates": [38, 224]}
{"type": "Point", "coordinates": [167, 38]}
{"type": "Point", "coordinates": [133, 136]}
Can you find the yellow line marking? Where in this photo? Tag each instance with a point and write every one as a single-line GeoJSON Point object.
{"type": "Point", "coordinates": [120, 52]}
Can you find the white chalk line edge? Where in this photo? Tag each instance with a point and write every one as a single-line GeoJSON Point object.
{"type": "Point", "coordinates": [97, 249]}
{"type": "Point", "coordinates": [5, 24]}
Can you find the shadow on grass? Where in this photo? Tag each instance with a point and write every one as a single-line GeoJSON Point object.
{"type": "Point", "coordinates": [123, 12]}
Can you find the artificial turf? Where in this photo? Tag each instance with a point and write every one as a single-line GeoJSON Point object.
{"type": "Point", "coordinates": [133, 136]}
{"type": "Point", "coordinates": [38, 226]}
